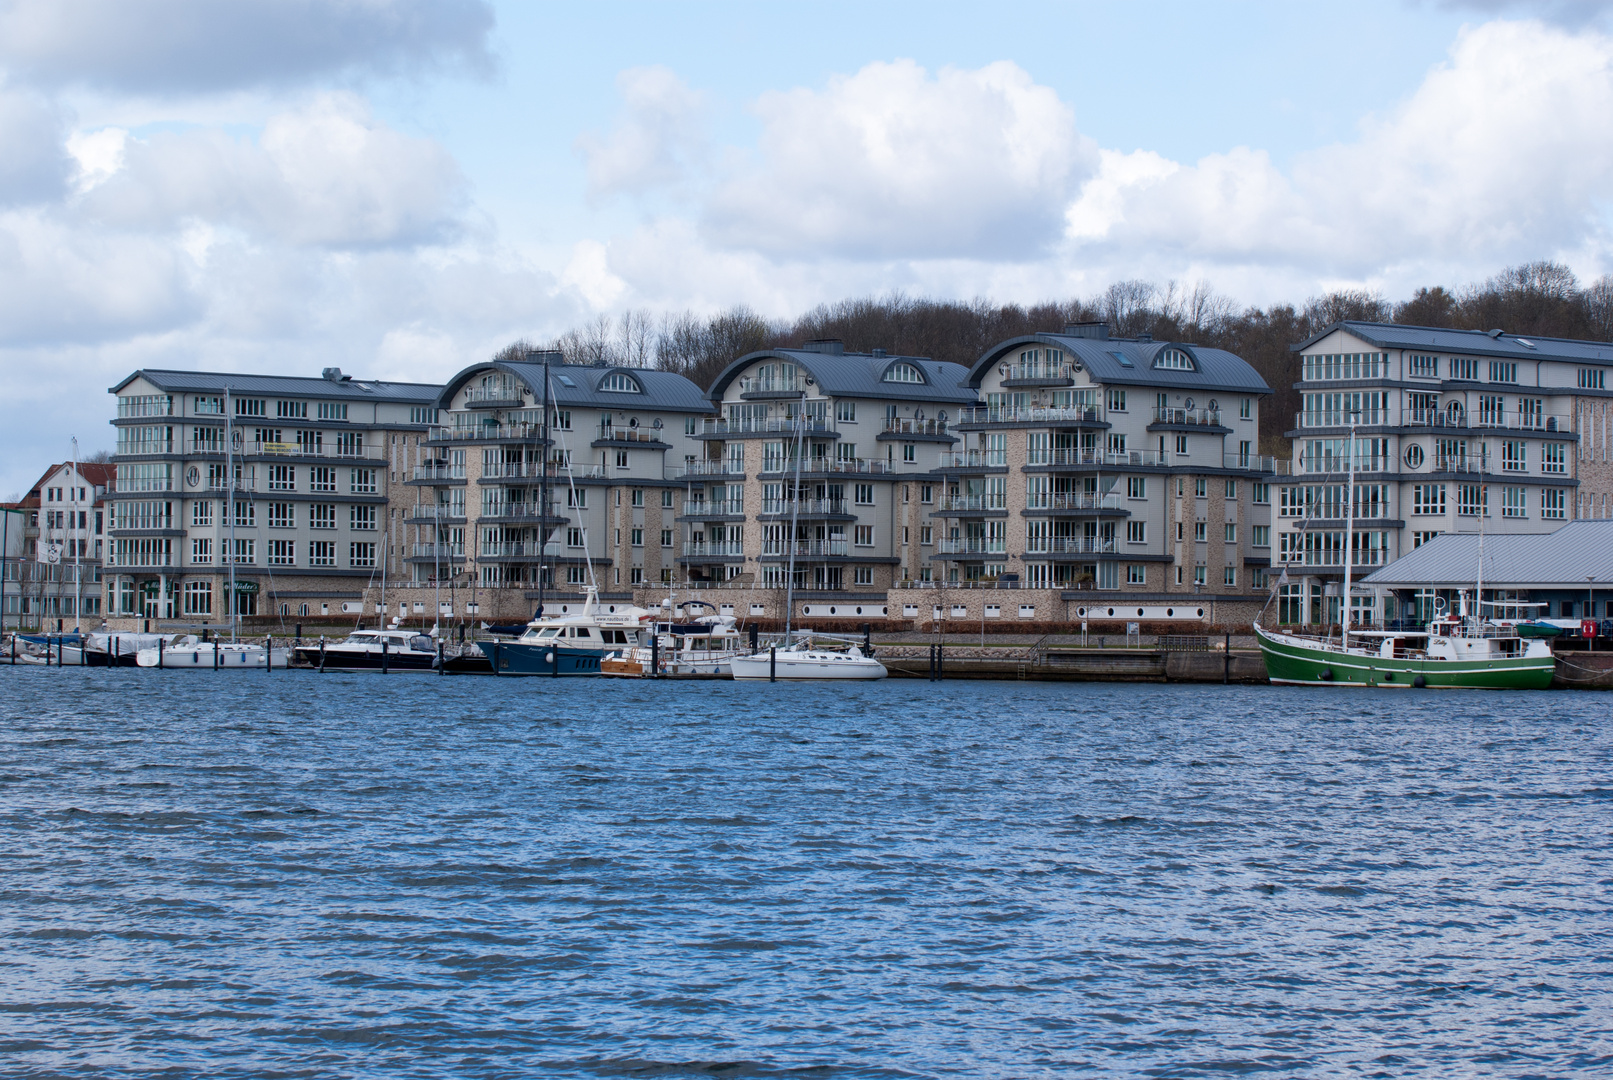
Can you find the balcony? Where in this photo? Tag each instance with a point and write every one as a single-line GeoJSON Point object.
{"type": "Point", "coordinates": [496, 397]}
{"type": "Point", "coordinates": [760, 387]}
{"type": "Point", "coordinates": [1095, 457]}
{"type": "Point", "coordinates": [349, 452]}
{"type": "Point", "coordinates": [1341, 418]}
{"type": "Point", "coordinates": [711, 468]}
{"type": "Point", "coordinates": [219, 485]}
{"type": "Point", "coordinates": [807, 506]}
{"type": "Point", "coordinates": [1191, 417]}
{"type": "Point", "coordinates": [1495, 419]}
{"type": "Point", "coordinates": [916, 428]}
{"type": "Point", "coordinates": [730, 550]}
{"type": "Point", "coordinates": [826, 466]}
{"type": "Point", "coordinates": [146, 447]}
{"type": "Point", "coordinates": [1072, 545]}
{"type": "Point", "coordinates": [487, 432]}
{"type": "Point", "coordinates": [517, 550]}
{"type": "Point", "coordinates": [519, 513]}
{"type": "Point", "coordinates": [1074, 500]}
{"type": "Point", "coordinates": [433, 515]}
{"type": "Point", "coordinates": [535, 470]}
{"type": "Point", "coordinates": [1338, 463]}
{"type": "Point", "coordinates": [977, 503]}
{"type": "Point", "coordinates": [767, 425]}
{"type": "Point", "coordinates": [701, 508]}
{"type": "Point", "coordinates": [630, 435]}
{"type": "Point", "coordinates": [1038, 375]}
{"type": "Point", "coordinates": [1006, 414]}
{"type": "Point", "coordinates": [443, 472]}
{"type": "Point", "coordinates": [804, 549]}
{"type": "Point", "coordinates": [1461, 463]}
{"type": "Point", "coordinates": [145, 405]}
{"type": "Point", "coordinates": [974, 459]}
{"type": "Point", "coordinates": [1261, 463]}
{"type": "Point", "coordinates": [971, 545]}
{"type": "Point", "coordinates": [438, 551]}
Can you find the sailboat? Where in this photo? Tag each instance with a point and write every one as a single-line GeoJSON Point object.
{"type": "Point", "coordinates": [1454, 651]}
{"type": "Point", "coordinates": [800, 660]}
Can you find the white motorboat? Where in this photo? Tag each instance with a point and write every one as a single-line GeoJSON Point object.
{"type": "Point", "coordinates": [803, 661]}
{"type": "Point", "coordinates": [701, 648]}
{"type": "Point", "coordinates": [372, 650]}
{"type": "Point", "coordinates": [193, 654]}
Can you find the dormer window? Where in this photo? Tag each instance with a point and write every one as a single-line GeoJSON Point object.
{"type": "Point", "coordinates": [1173, 360]}
{"type": "Point", "coordinates": [618, 383]}
{"type": "Point", "coordinates": [903, 373]}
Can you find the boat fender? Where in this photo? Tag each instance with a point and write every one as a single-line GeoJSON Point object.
{"type": "Point", "coordinates": [1326, 675]}
{"type": "Point", "coordinates": [1419, 682]}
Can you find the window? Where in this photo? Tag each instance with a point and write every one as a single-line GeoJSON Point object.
{"type": "Point", "coordinates": [1418, 539]}
{"type": "Point", "coordinates": [1554, 459]}
{"type": "Point", "coordinates": [282, 515]}
{"type": "Point", "coordinates": [635, 576]}
{"type": "Point", "coordinates": [621, 459]}
{"type": "Point", "coordinates": [1260, 494]}
{"type": "Point", "coordinates": [361, 555]}
{"type": "Point", "coordinates": [1178, 575]}
{"type": "Point", "coordinates": [666, 538]}
{"type": "Point", "coordinates": [1260, 535]}
{"type": "Point", "coordinates": [1503, 371]}
{"type": "Point", "coordinates": [246, 513]}
{"type": "Point", "coordinates": [1117, 401]}
{"type": "Point", "coordinates": [926, 534]}
{"type": "Point", "coordinates": [322, 553]}
{"type": "Point", "coordinates": [1553, 503]}
{"type": "Point", "coordinates": [577, 498]}
{"type": "Point", "coordinates": [638, 497]}
{"type": "Point", "coordinates": [1229, 576]}
{"type": "Point", "coordinates": [1471, 500]}
{"type": "Point", "coordinates": [903, 373]}
{"type": "Point", "coordinates": [846, 412]}
{"type": "Point", "coordinates": [910, 452]}
{"type": "Point", "coordinates": [201, 514]}
{"type": "Point", "coordinates": [1246, 409]}
{"type": "Point", "coordinates": [1201, 487]}
{"type": "Point", "coordinates": [333, 410]}
{"type": "Point", "coordinates": [362, 481]}
{"type": "Point", "coordinates": [1181, 445]}
{"type": "Point", "coordinates": [1178, 532]}
{"type": "Point", "coordinates": [282, 478]}
{"type": "Point", "coordinates": [246, 551]}
{"type": "Point", "coordinates": [1201, 532]}
{"type": "Point", "coordinates": [201, 550]}
{"type": "Point", "coordinates": [1462, 368]}
{"type": "Point", "coordinates": [282, 553]}
{"type": "Point", "coordinates": [250, 407]}
{"type": "Point", "coordinates": [1136, 487]}
{"type": "Point", "coordinates": [1514, 455]}
{"type": "Point", "coordinates": [204, 406]}
{"type": "Point", "coordinates": [321, 478]}
{"type": "Point", "coordinates": [291, 410]}
{"type": "Point", "coordinates": [1232, 490]}
{"type": "Point", "coordinates": [1591, 379]}
{"type": "Point", "coordinates": [865, 494]}
{"type": "Point", "coordinates": [863, 536]}
{"type": "Point", "coordinates": [1424, 366]}
{"type": "Point", "coordinates": [361, 518]}
{"type": "Point", "coordinates": [618, 382]}
{"type": "Point", "coordinates": [636, 537]}
{"type": "Point", "coordinates": [1232, 532]}
{"type": "Point", "coordinates": [574, 538]}
{"type": "Point", "coordinates": [690, 425]}
{"type": "Point", "coordinates": [1414, 456]}
{"type": "Point", "coordinates": [846, 451]}
{"type": "Point", "coordinates": [422, 414]}
{"type": "Point", "coordinates": [1117, 443]}
{"type": "Point", "coordinates": [666, 498]}
{"type": "Point", "coordinates": [1136, 532]}
{"type": "Point", "coordinates": [322, 516]}
{"type": "Point", "coordinates": [198, 598]}
{"type": "Point", "coordinates": [1136, 574]}
{"type": "Point", "coordinates": [1513, 503]}
{"type": "Point", "coordinates": [1173, 360]}
{"type": "Point", "coordinates": [1199, 575]}
{"type": "Point", "coordinates": [926, 494]}
{"type": "Point", "coordinates": [1427, 499]}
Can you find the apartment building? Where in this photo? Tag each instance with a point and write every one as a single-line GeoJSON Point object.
{"type": "Point", "coordinates": [1120, 475]}
{"type": "Point", "coordinates": [547, 473]}
{"type": "Point", "coordinates": [1454, 430]}
{"type": "Point", "coordinates": [845, 446]}
{"type": "Point", "coordinates": [54, 544]}
{"type": "Point", "coordinates": [286, 481]}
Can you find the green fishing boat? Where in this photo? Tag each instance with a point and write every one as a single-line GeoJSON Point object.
{"type": "Point", "coordinates": [1449, 655]}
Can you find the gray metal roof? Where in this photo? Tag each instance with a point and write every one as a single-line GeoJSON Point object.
{"type": "Point", "coordinates": [348, 389]}
{"type": "Point", "coordinates": [861, 375]}
{"type": "Point", "coordinates": [1469, 342]}
{"type": "Point", "coordinates": [577, 386]}
{"type": "Point", "coordinates": [1560, 559]}
{"type": "Point", "coordinates": [1127, 362]}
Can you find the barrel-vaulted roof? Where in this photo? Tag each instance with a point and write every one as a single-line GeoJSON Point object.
{"type": "Point", "coordinates": [1469, 342]}
{"type": "Point", "coordinates": [1130, 362]}
{"type": "Point", "coordinates": [862, 375]}
{"type": "Point", "coordinates": [603, 387]}
{"type": "Point", "coordinates": [336, 386]}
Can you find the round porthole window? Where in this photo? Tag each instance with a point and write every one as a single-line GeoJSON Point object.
{"type": "Point", "coordinates": [1414, 456]}
{"type": "Point", "coordinates": [194, 476]}
{"type": "Point", "coordinates": [1201, 613]}
{"type": "Point", "coordinates": [1139, 613]}
{"type": "Point", "coordinates": [831, 611]}
{"type": "Point", "coordinates": [1170, 612]}
{"type": "Point", "coordinates": [859, 611]}
{"type": "Point", "coordinates": [1081, 612]}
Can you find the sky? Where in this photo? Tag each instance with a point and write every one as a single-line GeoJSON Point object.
{"type": "Point", "coordinates": [400, 187]}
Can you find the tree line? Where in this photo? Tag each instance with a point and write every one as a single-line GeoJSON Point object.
{"type": "Point", "coordinates": [1542, 299]}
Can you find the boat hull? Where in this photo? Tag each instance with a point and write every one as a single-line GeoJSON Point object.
{"type": "Point", "coordinates": [521, 659]}
{"type": "Point", "coordinates": [784, 668]}
{"type": "Point", "coordinates": [1292, 661]}
{"type": "Point", "coordinates": [201, 658]}
{"type": "Point", "coordinates": [337, 659]}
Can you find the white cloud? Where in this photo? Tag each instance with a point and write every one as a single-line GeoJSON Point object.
{"type": "Point", "coordinates": [33, 165]}
{"type": "Point", "coordinates": [190, 46]}
{"type": "Point", "coordinates": [894, 162]}
{"type": "Point", "coordinates": [659, 138]}
{"type": "Point", "coordinates": [326, 174]}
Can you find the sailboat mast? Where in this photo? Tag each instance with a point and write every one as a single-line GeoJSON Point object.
{"type": "Point", "coordinates": [229, 507]}
{"type": "Point", "coordinates": [543, 484]}
{"type": "Point", "coordinates": [78, 566]}
{"type": "Point", "coordinates": [795, 510]}
{"type": "Point", "coordinates": [1349, 534]}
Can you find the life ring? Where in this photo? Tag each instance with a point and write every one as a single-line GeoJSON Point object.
{"type": "Point", "coordinates": [1587, 628]}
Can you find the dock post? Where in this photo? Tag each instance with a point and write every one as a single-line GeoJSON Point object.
{"type": "Point", "coordinates": [940, 662]}
{"type": "Point", "coordinates": [772, 663]}
{"type": "Point", "coordinates": [440, 669]}
{"type": "Point", "coordinates": [1226, 662]}
{"type": "Point", "coordinates": [655, 654]}
{"type": "Point", "coordinates": [116, 650]}
{"type": "Point", "coordinates": [495, 658]}
{"type": "Point", "coordinates": [754, 643]}
{"type": "Point", "coordinates": [322, 654]}
{"type": "Point", "coordinates": [268, 652]}
{"type": "Point", "coordinates": [554, 658]}
{"type": "Point", "coordinates": [216, 658]}
{"type": "Point", "coordinates": [383, 656]}
{"type": "Point", "coordinates": [159, 653]}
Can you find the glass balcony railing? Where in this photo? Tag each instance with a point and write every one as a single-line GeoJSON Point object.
{"type": "Point", "coordinates": [726, 550]}
{"type": "Point", "coordinates": [1206, 417]}
{"type": "Point", "coordinates": [808, 506]}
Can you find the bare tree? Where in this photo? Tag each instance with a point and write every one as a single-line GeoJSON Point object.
{"type": "Point", "coordinates": [635, 339]}
{"type": "Point", "coordinates": [1358, 305]}
{"type": "Point", "coordinates": [1599, 308]}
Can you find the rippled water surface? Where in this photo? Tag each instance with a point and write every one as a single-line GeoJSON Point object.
{"type": "Point", "coordinates": [288, 874]}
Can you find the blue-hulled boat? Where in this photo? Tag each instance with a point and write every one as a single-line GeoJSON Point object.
{"type": "Point", "coordinates": [566, 645]}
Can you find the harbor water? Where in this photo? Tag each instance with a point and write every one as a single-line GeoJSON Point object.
{"type": "Point", "coordinates": [291, 874]}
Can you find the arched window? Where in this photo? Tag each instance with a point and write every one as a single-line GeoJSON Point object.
{"type": "Point", "coordinates": [618, 383]}
{"type": "Point", "coordinates": [903, 373]}
{"type": "Point", "coordinates": [1174, 360]}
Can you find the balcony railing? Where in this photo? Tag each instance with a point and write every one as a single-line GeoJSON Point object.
{"type": "Point", "coordinates": [971, 545]}
{"type": "Point", "coordinates": [498, 395]}
{"type": "Point", "coordinates": [1339, 464]}
{"type": "Point", "coordinates": [1264, 463]}
{"type": "Point", "coordinates": [1341, 417]}
{"type": "Point", "coordinates": [616, 434]}
{"type": "Point", "coordinates": [805, 548]}
{"type": "Point", "coordinates": [712, 468]}
{"type": "Point", "coordinates": [767, 425]}
{"type": "Point", "coordinates": [372, 452]}
{"type": "Point", "coordinates": [426, 515]}
{"type": "Point", "coordinates": [535, 470]}
{"type": "Point", "coordinates": [827, 465]}
{"type": "Point", "coordinates": [968, 459]}
{"type": "Point", "coordinates": [1458, 463]}
{"type": "Point", "coordinates": [219, 485]}
{"type": "Point", "coordinates": [1071, 545]}
{"type": "Point", "coordinates": [145, 405]}
{"type": "Point", "coordinates": [1039, 372]}
{"type": "Point", "coordinates": [1030, 414]}
{"type": "Point", "coordinates": [1207, 417]}
{"type": "Point", "coordinates": [714, 507]}
{"type": "Point", "coordinates": [1489, 418]}
{"type": "Point", "coordinates": [755, 385]}
{"type": "Point", "coordinates": [147, 446]}
{"type": "Point", "coordinates": [954, 503]}
{"type": "Point", "coordinates": [439, 472]}
{"type": "Point", "coordinates": [515, 512]}
{"type": "Point", "coordinates": [486, 432]}
{"type": "Point", "coordinates": [516, 550]}
{"type": "Point", "coordinates": [1090, 456]}
{"type": "Point", "coordinates": [808, 506]}
{"type": "Point", "coordinates": [909, 426]}
{"type": "Point", "coordinates": [439, 551]}
{"type": "Point", "coordinates": [1073, 500]}
{"type": "Point", "coordinates": [733, 549]}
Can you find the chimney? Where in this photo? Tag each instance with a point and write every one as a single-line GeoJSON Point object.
{"type": "Point", "coordinates": [878, 354]}
{"type": "Point", "coordinates": [332, 374]}
{"type": "Point", "coordinates": [1145, 338]}
{"type": "Point", "coordinates": [833, 346]}
{"type": "Point", "coordinates": [1096, 330]}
